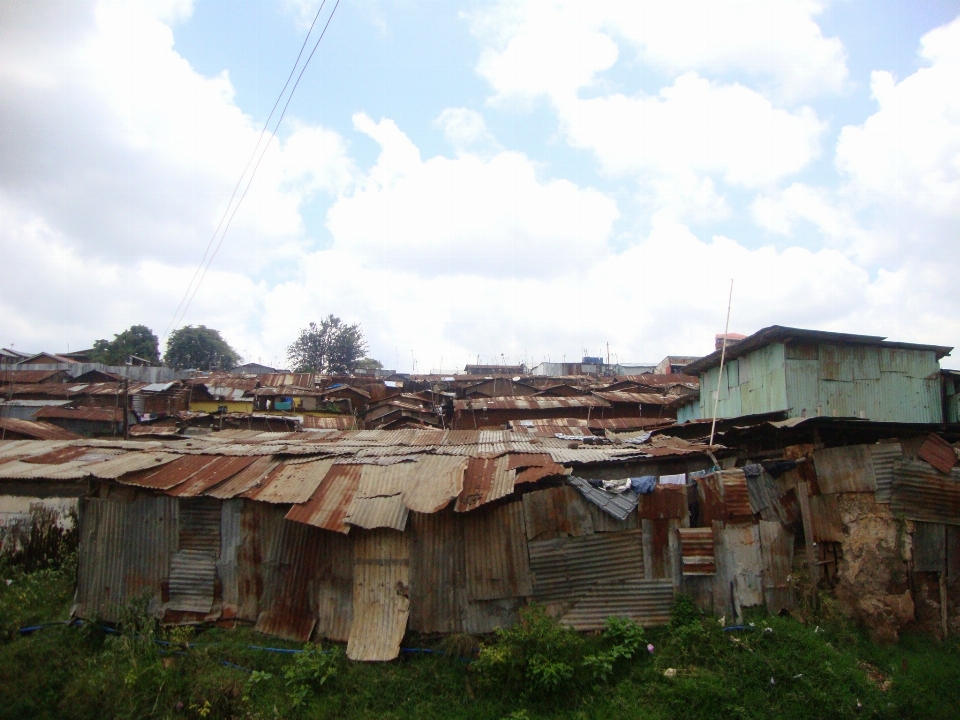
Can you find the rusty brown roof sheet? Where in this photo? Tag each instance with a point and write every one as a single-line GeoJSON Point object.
{"type": "Point", "coordinates": [329, 504]}
{"type": "Point", "coordinates": [291, 482]}
{"type": "Point", "coordinates": [939, 453]}
{"type": "Point", "coordinates": [379, 499]}
{"type": "Point", "coordinates": [209, 476]}
{"type": "Point", "coordinates": [170, 474]}
{"type": "Point", "coordinates": [26, 376]}
{"type": "Point", "coordinates": [622, 396]}
{"type": "Point", "coordinates": [485, 480]}
{"type": "Point", "coordinates": [530, 403]}
{"type": "Point", "coordinates": [36, 430]}
{"type": "Point", "coordinates": [85, 414]}
{"type": "Point", "coordinates": [303, 380]}
{"type": "Point", "coordinates": [250, 477]}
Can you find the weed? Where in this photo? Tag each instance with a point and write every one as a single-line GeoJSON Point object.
{"type": "Point", "coordinates": [312, 668]}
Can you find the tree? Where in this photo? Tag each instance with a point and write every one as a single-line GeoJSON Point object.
{"type": "Point", "coordinates": [137, 340]}
{"type": "Point", "coordinates": [201, 348]}
{"type": "Point", "coordinates": [369, 363]}
{"type": "Point", "coordinates": [331, 347]}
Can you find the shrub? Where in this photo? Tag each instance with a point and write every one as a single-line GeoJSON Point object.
{"type": "Point", "coordinates": [540, 657]}
{"type": "Point", "coordinates": [311, 669]}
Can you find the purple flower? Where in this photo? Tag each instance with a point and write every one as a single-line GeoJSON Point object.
{"type": "Point", "coordinates": [650, 649]}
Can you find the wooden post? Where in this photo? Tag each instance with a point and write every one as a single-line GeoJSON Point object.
{"type": "Point", "coordinates": [803, 496]}
{"type": "Point", "coordinates": [723, 355]}
{"type": "Point", "coordinates": [126, 403]}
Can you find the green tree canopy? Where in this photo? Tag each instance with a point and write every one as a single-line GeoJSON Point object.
{"type": "Point", "coordinates": [201, 348]}
{"type": "Point", "coordinates": [137, 340]}
{"type": "Point", "coordinates": [369, 363]}
{"type": "Point", "coordinates": [330, 347]}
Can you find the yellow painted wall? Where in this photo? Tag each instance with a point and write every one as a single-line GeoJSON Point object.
{"type": "Point", "coordinates": [234, 407]}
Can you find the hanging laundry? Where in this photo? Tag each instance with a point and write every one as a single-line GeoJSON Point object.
{"type": "Point", "coordinates": [680, 479]}
{"type": "Point", "coordinates": [643, 485]}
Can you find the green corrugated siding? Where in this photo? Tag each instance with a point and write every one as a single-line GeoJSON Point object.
{"type": "Point", "coordinates": [882, 384]}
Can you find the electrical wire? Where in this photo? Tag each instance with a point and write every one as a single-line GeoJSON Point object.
{"type": "Point", "coordinates": [175, 322]}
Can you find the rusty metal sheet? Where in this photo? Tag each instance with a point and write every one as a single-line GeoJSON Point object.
{"type": "Point", "coordinates": [100, 572]}
{"type": "Point", "coordinates": [736, 496]}
{"type": "Point", "coordinates": [696, 546]}
{"type": "Point", "coordinates": [666, 501]}
{"type": "Point", "coordinates": [557, 510]}
{"type": "Point", "coordinates": [530, 403]}
{"type": "Point", "coordinates": [328, 506]}
{"type": "Point", "coordinates": [516, 461]}
{"type": "Point", "coordinates": [929, 547]}
{"type": "Point", "coordinates": [742, 545]}
{"type": "Point", "coordinates": [20, 470]}
{"type": "Point", "coordinates": [845, 469]}
{"type": "Point", "coordinates": [130, 462]}
{"type": "Point", "coordinates": [170, 474]}
{"type": "Point", "coordinates": [939, 453]}
{"type": "Point", "coordinates": [378, 502]}
{"type": "Point", "coordinates": [435, 480]}
{"type": "Point", "coordinates": [710, 495]}
{"type": "Point", "coordinates": [228, 568]}
{"type": "Point", "coordinates": [292, 483]}
{"type": "Point", "coordinates": [825, 519]}
{"type": "Point", "coordinates": [485, 480]}
{"type": "Point", "coordinates": [220, 470]}
{"type": "Point", "coordinates": [261, 530]}
{"type": "Point", "coordinates": [565, 570]}
{"type": "Point", "coordinates": [776, 548]}
{"type": "Point", "coordinates": [884, 455]}
{"type": "Point", "coordinates": [88, 414]}
{"type": "Point", "coordinates": [250, 477]}
{"type": "Point", "coordinates": [70, 453]}
{"type": "Point", "coordinates": [381, 603]}
{"type": "Point", "coordinates": [921, 493]}
{"type": "Point", "coordinates": [193, 568]}
{"type": "Point", "coordinates": [496, 553]}
{"type": "Point", "coordinates": [38, 431]}
{"type": "Point", "coordinates": [647, 602]}
{"type": "Point", "coordinates": [312, 588]}
{"type": "Point", "coordinates": [536, 474]}
{"type": "Point", "coordinates": [661, 549]}
{"type": "Point", "coordinates": [438, 589]}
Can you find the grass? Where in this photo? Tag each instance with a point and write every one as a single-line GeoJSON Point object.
{"type": "Point", "coordinates": [778, 668]}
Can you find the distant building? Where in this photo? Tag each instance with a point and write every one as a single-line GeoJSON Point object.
{"type": "Point", "coordinates": [253, 368]}
{"type": "Point", "coordinates": [494, 370]}
{"type": "Point", "coordinates": [673, 364]}
{"type": "Point", "coordinates": [732, 339]}
{"type": "Point", "coordinates": [810, 373]}
{"type": "Point", "coordinates": [633, 368]}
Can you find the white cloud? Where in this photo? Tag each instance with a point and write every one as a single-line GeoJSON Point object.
{"type": "Point", "coordinates": [694, 124]}
{"type": "Point", "coordinates": [465, 129]}
{"type": "Point", "coordinates": [903, 162]}
{"type": "Point", "coordinates": [491, 217]}
{"type": "Point", "coordinates": [556, 48]}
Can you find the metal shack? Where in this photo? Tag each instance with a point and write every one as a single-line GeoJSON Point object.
{"type": "Point", "coordinates": [358, 536]}
{"type": "Point", "coordinates": [810, 373]}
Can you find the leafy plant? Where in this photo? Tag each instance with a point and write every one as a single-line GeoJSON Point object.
{"type": "Point", "coordinates": [311, 669]}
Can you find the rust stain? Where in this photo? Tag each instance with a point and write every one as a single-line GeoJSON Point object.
{"type": "Point", "coordinates": [327, 508]}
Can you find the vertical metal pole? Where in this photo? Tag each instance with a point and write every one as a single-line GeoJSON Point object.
{"type": "Point", "coordinates": [723, 354]}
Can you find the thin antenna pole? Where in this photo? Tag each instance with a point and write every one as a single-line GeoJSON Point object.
{"type": "Point", "coordinates": [723, 355]}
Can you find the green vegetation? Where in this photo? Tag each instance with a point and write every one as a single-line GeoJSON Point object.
{"type": "Point", "coordinates": [776, 668]}
{"type": "Point", "coordinates": [333, 346]}
{"type": "Point", "coordinates": [137, 340]}
{"type": "Point", "coordinates": [199, 348]}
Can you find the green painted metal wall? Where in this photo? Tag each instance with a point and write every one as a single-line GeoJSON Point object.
{"type": "Point", "coordinates": [807, 380]}
{"type": "Point", "coordinates": [951, 385]}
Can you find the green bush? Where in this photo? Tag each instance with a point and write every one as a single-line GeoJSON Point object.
{"type": "Point", "coordinates": [311, 669]}
{"type": "Point", "coordinates": [538, 657]}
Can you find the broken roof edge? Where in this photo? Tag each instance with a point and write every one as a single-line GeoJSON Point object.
{"type": "Point", "coordinates": [782, 333]}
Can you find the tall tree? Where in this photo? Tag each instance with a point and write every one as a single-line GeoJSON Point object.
{"type": "Point", "coordinates": [330, 347]}
{"type": "Point", "coordinates": [136, 340]}
{"type": "Point", "coordinates": [201, 348]}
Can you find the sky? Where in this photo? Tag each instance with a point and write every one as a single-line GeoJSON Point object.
{"type": "Point", "coordinates": [495, 181]}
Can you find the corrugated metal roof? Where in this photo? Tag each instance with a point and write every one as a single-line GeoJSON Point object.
{"type": "Point", "coordinates": [845, 469]}
{"type": "Point", "coordinates": [26, 376]}
{"type": "Point", "coordinates": [381, 603]}
{"type": "Point", "coordinates": [647, 602]}
{"type": "Point", "coordinates": [535, 474]}
{"type": "Point", "coordinates": [130, 462]}
{"type": "Point", "coordinates": [485, 480]}
{"type": "Point", "coordinates": [379, 499]}
{"type": "Point", "coordinates": [436, 480]}
{"type": "Point", "coordinates": [19, 470]}
{"type": "Point", "coordinates": [622, 396]}
{"type": "Point", "coordinates": [529, 403]}
{"type": "Point", "coordinates": [70, 453]}
{"type": "Point", "coordinates": [170, 474]}
{"type": "Point", "coordinates": [37, 430]}
{"type": "Point", "coordinates": [291, 483]}
{"type": "Point", "coordinates": [566, 569]}
{"type": "Point", "coordinates": [305, 380]}
{"type": "Point", "coordinates": [921, 493]}
{"type": "Point", "coordinates": [250, 477]}
{"type": "Point", "coordinates": [497, 564]}
{"type": "Point", "coordinates": [327, 508]}
{"type": "Point", "coordinates": [736, 496]}
{"type": "Point", "coordinates": [220, 470]}
{"type": "Point", "coordinates": [618, 505]}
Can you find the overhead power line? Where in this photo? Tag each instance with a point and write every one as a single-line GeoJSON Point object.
{"type": "Point", "coordinates": [231, 210]}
